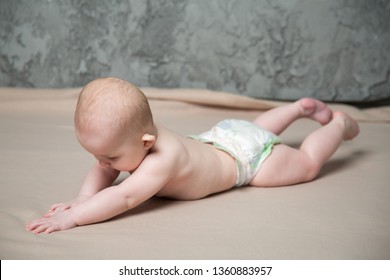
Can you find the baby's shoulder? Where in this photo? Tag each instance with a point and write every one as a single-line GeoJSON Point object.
{"type": "Point", "coordinates": [168, 145]}
{"type": "Point", "coordinates": [166, 156]}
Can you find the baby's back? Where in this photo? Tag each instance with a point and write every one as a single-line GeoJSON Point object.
{"type": "Point", "coordinates": [198, 169]}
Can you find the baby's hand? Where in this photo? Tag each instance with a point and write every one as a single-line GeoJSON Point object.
{"type": "Point", "coordinates": [55, 222]}
{"type": "Point", "coordinates": [60, 207]}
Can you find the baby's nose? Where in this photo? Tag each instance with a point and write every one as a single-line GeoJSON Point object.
{"type": "Point", "coordinates": [104, 164]}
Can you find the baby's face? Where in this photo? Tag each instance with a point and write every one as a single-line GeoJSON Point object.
{"type": "Point", "coordinates": [118, 152]}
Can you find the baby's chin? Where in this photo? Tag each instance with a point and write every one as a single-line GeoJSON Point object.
{"type": "Point", "coordinates": [126, 170]}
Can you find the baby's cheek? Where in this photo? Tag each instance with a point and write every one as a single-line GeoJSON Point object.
{"type": "Point", "coordinates": [122, 166]}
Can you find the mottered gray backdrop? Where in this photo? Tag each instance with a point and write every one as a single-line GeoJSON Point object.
{"type": "Point", "coordinates": [335, 50]}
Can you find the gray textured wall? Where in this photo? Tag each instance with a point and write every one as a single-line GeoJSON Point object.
{"type": "Point", "coordinates": [330, 49]}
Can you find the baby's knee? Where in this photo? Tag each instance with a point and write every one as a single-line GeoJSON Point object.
{"type": "Point", "coordinates": [312, 170]}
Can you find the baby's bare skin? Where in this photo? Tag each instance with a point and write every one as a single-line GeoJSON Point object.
{"type": "Point", "coordinates": [350, 126]}
{"type": "Point", "coordinates": [192, 158]}
{"type": "Point", "coordinates": [163, 163]}
{"type": "Point", "coordinates": [171, 169]}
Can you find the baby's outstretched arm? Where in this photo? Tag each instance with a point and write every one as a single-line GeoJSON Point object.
{"type": "Point", "coordinates": [146, 181]}
{"type": "Point", "coordinates": [97, 179]}
{"type": "Point", "coordinates": [103, 205]}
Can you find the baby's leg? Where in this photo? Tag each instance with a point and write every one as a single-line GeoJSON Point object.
{"type": "Point", "coordinates": [287, 166]}
{"type": "Point", "coordinates": [278, 119]}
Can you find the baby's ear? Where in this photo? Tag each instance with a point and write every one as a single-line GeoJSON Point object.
{"type": "Point", "coordinates": [148, 140]}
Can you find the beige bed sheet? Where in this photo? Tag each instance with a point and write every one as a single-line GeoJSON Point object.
{"type": "Point", "coordinates": [344, 214]}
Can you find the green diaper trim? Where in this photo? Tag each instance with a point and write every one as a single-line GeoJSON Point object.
{"type": "Point", "coordinates": [216, 145]}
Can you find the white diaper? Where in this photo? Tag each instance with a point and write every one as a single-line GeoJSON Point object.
{"type": "Point", "coordinates": [248, 143]}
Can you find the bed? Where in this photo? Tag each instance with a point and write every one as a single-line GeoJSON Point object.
{"type": "Point", "coordinates": [344, 214]}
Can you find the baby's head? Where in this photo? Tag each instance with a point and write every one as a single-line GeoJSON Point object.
{"type": "Point", "coordinates": [113, 120]}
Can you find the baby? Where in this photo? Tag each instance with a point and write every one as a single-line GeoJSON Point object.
{"type": "Point", "coordinates": [114, 123]}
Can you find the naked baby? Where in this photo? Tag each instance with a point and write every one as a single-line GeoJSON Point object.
{"type": "Point", "coordinates": [114, 123]}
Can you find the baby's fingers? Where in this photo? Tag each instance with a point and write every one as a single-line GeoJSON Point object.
{"type": "Point", "coordinates": [49, 214]}
{"type": "Point", "coordinates": [39, 229]}
{"type": "Point", "coordinates": [55, 207]}
{"type": "Point", "coordinates": [51, 229]}
{"type": "Point", "coordinates": [36, 226]}
{"type": "Point", "coordinates": [46, 229]}
{"type": "Point", "coordinates": [41, 226]}
{"type": "Point", "coordinates": [59, 207]}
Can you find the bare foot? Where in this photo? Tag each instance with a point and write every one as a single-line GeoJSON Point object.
{"type": "Point", "coordinates": [315, 110]}
{"type": "Point", "coordinates": [351, 127]}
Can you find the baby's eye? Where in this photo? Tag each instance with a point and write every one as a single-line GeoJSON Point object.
{"type": "Point", "coordinates": [112, 158]}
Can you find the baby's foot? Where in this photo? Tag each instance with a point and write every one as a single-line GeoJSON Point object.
{"type": "Point", "coordinates": [351, 127]}
{"type": "Point", "coordinates": [315, 110]}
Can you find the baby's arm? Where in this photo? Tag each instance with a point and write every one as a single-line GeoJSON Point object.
{"type": "Point", "coordinates": [146, 181]}
{"type": "Point", "coordinates": [97, 179]}
{"type": "Point", "coordinates": [103, 205]}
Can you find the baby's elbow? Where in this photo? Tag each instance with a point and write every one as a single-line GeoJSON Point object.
{"type": "Point", "coordinates": [132, 202]}
{"type": "Point", "coordinates": [129, 202]}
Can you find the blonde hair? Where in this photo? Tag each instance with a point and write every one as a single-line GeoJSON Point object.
{"type": "Point", "coordinates": [113, 103]}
